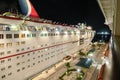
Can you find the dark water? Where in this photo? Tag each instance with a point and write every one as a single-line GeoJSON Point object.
{"type": "Point", "coordinates": [101, 37]}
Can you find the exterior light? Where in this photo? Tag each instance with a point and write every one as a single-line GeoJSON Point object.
{"type": "Point", "coordinates": [78, 70]}
{"type": "Point", "coordinates": [44, 32]}
{"type": "Point", "coordinates": [83, 36]}
{"type": "Point", "coordinates": [13, 26]}
{"type": "Point", "coordinates": [102, 32]}
{"type": "Point", "coordinates": [57, 32]}
{"type": "Point", "coordinates": [78, 32]}
{"type": "Point", "coordinates": [72, 32]}
{"type": "Point", "coordinates": [65, 32]}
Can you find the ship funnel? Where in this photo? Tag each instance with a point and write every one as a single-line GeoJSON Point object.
{"type": "Point", "coordinates": [28, 9]}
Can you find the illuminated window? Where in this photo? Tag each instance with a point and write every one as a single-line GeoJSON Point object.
{"type": "Point", "coordinates": [22, 35]}
{"type": "Point", "coordinates": [16, 35]}
{"type": "Point", "coordinates": [1, 36]}
{"type": "Point", "coordinates": [8, 36]}
{"type": "Point", "coordinates": [9, 44]}
{"type": "Point", "coordinates": [1, 45]}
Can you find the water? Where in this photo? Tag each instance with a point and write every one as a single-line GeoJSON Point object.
{"type": "Point", "coordinates": [101, 37]}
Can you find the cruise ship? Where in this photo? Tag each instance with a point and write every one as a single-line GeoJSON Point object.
{"type": "Point", "coordinates": [30, 45]}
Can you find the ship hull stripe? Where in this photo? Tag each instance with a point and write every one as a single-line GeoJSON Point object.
{"type": "Point", "coordinates": [36, 50]}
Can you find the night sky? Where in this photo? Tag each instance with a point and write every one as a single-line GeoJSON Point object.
{"type": "Point", "coordinates": [64, 11]}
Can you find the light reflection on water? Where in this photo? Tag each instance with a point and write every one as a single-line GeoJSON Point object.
{"type": "Point", "coordinates": [102, 37]}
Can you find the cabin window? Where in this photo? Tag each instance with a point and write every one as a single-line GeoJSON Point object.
{"type": "Point", "coordinates": [9, 59]}
{"type": "Point", "coordinates": [1, 53]}
{"type": "Point", "coordinates": [1, 45]}
{"type": "Point", "coordinates": [49, 34]}
{"type": "Point", "coordinates": [2, 69]}
{"type": "Point", "coordinates": [38, 56]}
{"type": "Point", "coordinates": [42, 34]}
{"type": "Point", "coordinates": [22, 55]}
{"type": "Point", "coordinates": [18, 70]}
{"type": "Point", "coordinates": [28, 66]}
{"type": "Point", "coordinates": [17, 57]}
{"type": "Point", "coordinates": [17, 43]}
{"type": "Point", "coordinates": [22, 49]}
{"type": "Point", "coordinates": [1, 36]}
{"type": "Point", "coordinates": [38, 61]}
{"type": "Point", "coordinates": [8, 36]}
{"type": "Point", "coordinates": [28, 60]}
{"type": "Point", "coordinates": [8, 52]}
{"type": "Point", "coordinates": [28, 48]}
{"type": "Point", "coordinates": [28, 54]}
{"type": "Point", "coordinates": [33, 63]}
{"type": "Point", "coordinates": [28, 35]}
{"type": "Point", "coordinates": [45, 34]}
{"type": "Point", "coordinates": [9, 66]}
{"type": "Point", "coordinates": [23, 42]}
{"type": "Point", "coordinates": [9, 44]}
{"type": "Point", "coordinates": [23, 68]}
{"type": "Point", "coordinates": [33, 35]}
{"type": "Point", "coordinates": [18, 63]}
{"type": "Point", "coordinates": [41, 55]}
{"type": "Point", "coordinates": [17, 50]}
{"type": "Point", "coordinates": [2, 61]}
{"type": "Point", "coordinates": [9, 73]}
{"type": "Point", "coordinates": [22, 35]}
{"type": "Point", "coordinates": [3, 76]}
{"type": "Point", "coordinates": [16, 35]}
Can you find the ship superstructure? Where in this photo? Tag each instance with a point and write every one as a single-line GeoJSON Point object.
{"type": "Point", "coordinates": [30, 46]}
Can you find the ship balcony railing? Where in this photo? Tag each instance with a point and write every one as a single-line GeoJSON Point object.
{"type": "Point", "coordinates": [115, 49]}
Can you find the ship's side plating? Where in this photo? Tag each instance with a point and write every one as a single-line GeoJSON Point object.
{"type": "Point", "coordinates": [27, 47]}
